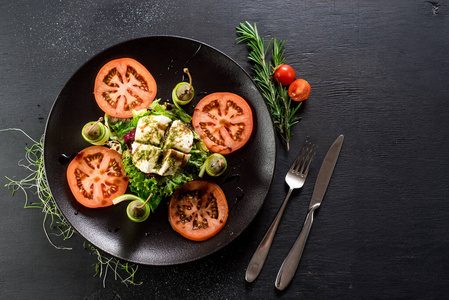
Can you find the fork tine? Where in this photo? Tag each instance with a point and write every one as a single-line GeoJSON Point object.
{"type": "Point", "coordinates": [294, 164]}
{"type": "Point", "coordinates": [310, 160]}
{"type": "Point", "coordinates": [303, 158]}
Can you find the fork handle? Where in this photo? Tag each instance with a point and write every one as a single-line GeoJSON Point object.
{"type": "Point", "coordinates": [291, 262]}
{"type": "Point", "coordinates": [261, 253]}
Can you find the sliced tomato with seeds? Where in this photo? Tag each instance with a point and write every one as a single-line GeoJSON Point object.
{"type": "Point", "coordinates": [96, 176]}
{"type": "Point", "coordinates": [224, 121]}
{"type": "Point", "coordinates": [198, 210]}
{"type": "Point", "coordinates": [123, 85]}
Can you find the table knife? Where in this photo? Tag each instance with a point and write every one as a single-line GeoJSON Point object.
{"type": "Point", "coordinates": [291, 262]}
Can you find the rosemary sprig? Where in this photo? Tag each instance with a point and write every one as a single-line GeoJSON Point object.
{"type": "Point", "coordinates": [274, 93]}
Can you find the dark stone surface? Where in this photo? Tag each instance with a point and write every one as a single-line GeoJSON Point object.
{"type": "Point", "coordinates": [379, 75]}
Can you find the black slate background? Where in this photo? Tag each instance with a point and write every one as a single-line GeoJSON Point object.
{"type": "Point", "coordinates": [379, 72]}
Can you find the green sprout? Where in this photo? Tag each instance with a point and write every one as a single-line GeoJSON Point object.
{"type": "Point", "coordinates": [37, 181]}
{"type": "Point", "coordinates": [34, 163]}
{"type": "Point", "coordinates": [104, 264]}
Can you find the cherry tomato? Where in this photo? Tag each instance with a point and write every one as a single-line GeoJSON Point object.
{"type": "Point", "coordinates": [224, 122]}
{"type": "Point", "coordinates": [284, 74]}
{"type": "Point", "coordinates": [96, 176]}
{"type": "Point", "coordinates": [198, 210]}
{"type": "Point", "coordinates": [299, 90]}
{"type": "Point", "coordinates": [123, 85]}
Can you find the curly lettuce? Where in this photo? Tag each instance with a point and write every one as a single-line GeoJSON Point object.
{"type": "Point", "coordinates": [160, 186]}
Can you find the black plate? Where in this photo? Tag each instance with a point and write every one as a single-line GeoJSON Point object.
{"type": "Point", "coordinates": [246, 181]}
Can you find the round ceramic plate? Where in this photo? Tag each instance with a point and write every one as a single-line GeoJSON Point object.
{"type": "Point", "coordinates": [246, 181]}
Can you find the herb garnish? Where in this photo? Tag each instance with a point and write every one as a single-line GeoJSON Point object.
{"type": "Point", "coordinates": [37, 181]}
{"type": "Point", "coordinates": [274, 93]}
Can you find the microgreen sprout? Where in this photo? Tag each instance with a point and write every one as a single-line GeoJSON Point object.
{"type": "Point", "coordinates": [36, 180]}
{"type": "Point", "coordinates": [34, 163]}
{"type": "Point", "coordinates": [104, 264]}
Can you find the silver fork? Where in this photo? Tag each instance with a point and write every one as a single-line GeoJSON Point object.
{"type": "Point", "coordinates": [295, 180]}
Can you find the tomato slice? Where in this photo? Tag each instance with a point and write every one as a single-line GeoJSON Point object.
{"type": "Point", "coordinates": [96, 176]}
{"type": "Point", "coordinates": [198, 210]}
{"type": "Point", "coordinates": [224, 122]}
{"type": "Point", "coordinates": [123, 85]}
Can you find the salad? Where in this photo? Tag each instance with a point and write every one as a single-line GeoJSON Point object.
{"type": "Point", "coordinates": [144, 150]}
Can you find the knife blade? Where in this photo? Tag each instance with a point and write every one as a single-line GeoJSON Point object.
{"type": "Point", "coordinates": [291, 262]}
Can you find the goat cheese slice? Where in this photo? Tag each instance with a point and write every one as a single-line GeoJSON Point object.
{"type": "Point", "coordinates": [179, 137]}
{"type": "Point", "coordinates": [146, 157]}
{"type": "Point", "coordinates": [151, 129]}
{"type": "Point", "coordinates": [172, 162]}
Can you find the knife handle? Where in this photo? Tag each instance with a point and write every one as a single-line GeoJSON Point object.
{"type": "Point", "coordinates": [261, 253]}
{"type": "Point", "coordinates": [291, 262]}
